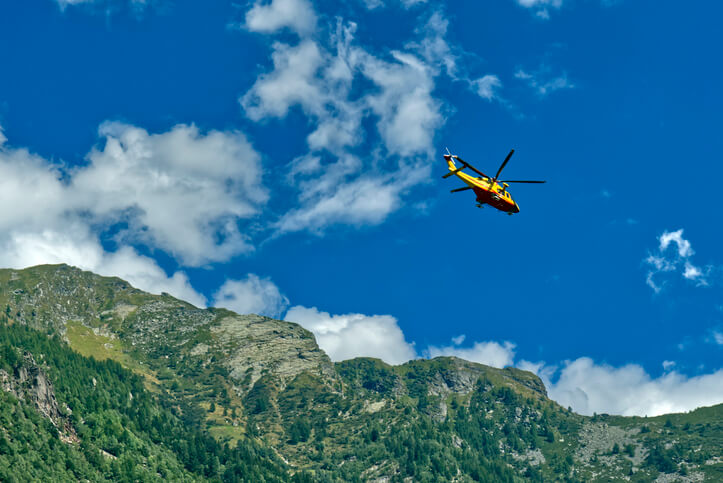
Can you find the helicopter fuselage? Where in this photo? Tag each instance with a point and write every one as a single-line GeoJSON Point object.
{"type": "Point", "coordinates": [499, 198]}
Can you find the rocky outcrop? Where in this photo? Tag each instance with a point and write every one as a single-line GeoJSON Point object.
{"type": "Point", "coordinates": [256, 345]}
{"type": "Point", "coordinates": [461, 376]}
{"type": "Point", "coordinates": [30, 384]}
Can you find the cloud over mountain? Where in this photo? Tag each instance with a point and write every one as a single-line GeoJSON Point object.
{"type": "Point", "coordinates": [355, 335]}
{"type": "Point", "coordinates": [180, 191]}
{"type": "Point", "coordinates": [589, 387]}
{"type": "Point", "coordinates": [251, 295]}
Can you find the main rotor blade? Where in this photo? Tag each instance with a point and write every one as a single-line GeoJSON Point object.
{"type": "Point", "coordinates": [518, 181]}
{"type": "Point", "coordinates": [461, 189]}
{"type": "Point", "coordinates": [470, 166]}
{"type": "Point", "coordinates": [502, 166]}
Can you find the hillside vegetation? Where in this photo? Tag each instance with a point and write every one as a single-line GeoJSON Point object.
{"type": "Point", "coordinates": [104, 381]}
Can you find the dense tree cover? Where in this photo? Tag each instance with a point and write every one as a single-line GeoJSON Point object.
{"type": "Point", "coordinates": [373, 425]}
{"type": "Point", "coordinates": [126, 433]}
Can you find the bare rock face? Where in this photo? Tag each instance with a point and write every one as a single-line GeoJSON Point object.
{"type": "Point", "coordinates": [461, 376]}
{"type": "Point", "coordinates": [257, 345]}
{"type": "Point", "coordinates": [31, 384]}
{"type": "Point", "coordinates": [461, 380]}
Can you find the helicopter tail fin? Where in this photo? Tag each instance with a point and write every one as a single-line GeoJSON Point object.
{"type": "Point", "coordinates": [453, 169]}
{"type": "Point", "coordinates": [449, 158]}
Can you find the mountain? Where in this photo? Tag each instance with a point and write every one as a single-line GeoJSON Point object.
{"type": "Point", "coordinates": [103, 381]}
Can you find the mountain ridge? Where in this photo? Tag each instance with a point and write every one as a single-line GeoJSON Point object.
{"type": "Point", "coordinates": [251, 380]}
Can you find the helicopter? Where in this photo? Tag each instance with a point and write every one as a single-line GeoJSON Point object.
{"type": "Point", "coordinates": [489, 191]}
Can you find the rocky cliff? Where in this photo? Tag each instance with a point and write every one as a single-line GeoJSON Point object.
{"type": "Point", "coordinates": [31, 384]}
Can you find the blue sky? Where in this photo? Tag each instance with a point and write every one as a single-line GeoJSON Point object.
{"type": "Point", "coordinates": [284, 157]}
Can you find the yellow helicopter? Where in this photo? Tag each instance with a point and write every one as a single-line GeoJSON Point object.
{"type": "Point", "coordinates": [489, 191]}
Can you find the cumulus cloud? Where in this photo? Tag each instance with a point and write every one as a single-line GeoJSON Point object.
{"type": "Point", "coordinates": [181, 191]}
{"type": "Point", "coordinates": [590, 388]}
{"type": "Point", "coordinates": [489, 353]}
{"type": "Point", "coordinates": [663, 261]}
{"type": "Point", "coordinates": [543, 82]}
{"type": "Point", "coordinates": [337, 182]}
{"type": "Point", "coordinates": [251, 295]}
{"type": "Point", "coordinates": [355, 335]}
{"type": "Point", "coordinates": [297, 15]}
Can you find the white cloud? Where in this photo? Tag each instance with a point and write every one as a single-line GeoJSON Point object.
{"type": "Point", "coordinates": [297, 15]}
{"type": "Point", "coordinates": [542, 82]}
{"type": "Point", "coordinates": [355, 335]}
{"type": "Point", "coordinates": [408, 113]}
{"type": "Point", "coordinates": [79, 248]}
{"type": "Point", "coordinates": [489, 353]}
{"type": "Point", "coordinates": [310, 76]}
{"type": "Point", "coordinates": [293, 81]}
{"type": "Point", "coordinates": [181, 191]}
{"type": "Point", "coordinates": [685, 250]}
{"type": "Point", "coordinates": [44, 220]}
{"type": "Point", "coordinates": [486, 87]}
{"type": "Point", "coordinates": [590, 388]}
{"type": "Point", "coordinates": [691, 272]}
{"type": "Point", "coordinates": [365, 200]}
{"type": "Point", "coordinates": [31, 194]}
{"type": "Point", "coordinates": [662, 262]}
{"type": "Point", "coordinates": [336, 184]}
{"type": "Point", "coordinates": [252, 295]}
